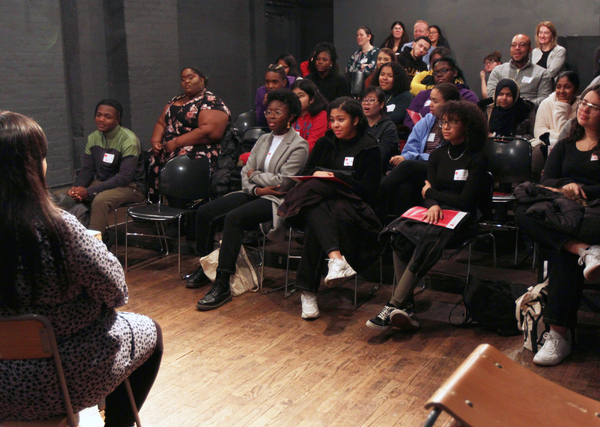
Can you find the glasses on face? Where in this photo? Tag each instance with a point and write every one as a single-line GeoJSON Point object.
{"type": "Point", "coordinates": [522, 45]}
{"type": "Point", "coordinates": [449, 123]}
{"type": "Point", "coordinates": [442, 72]}
{"type": "Point", "coordinates": [369, 101]}
{"type": "Point", "coordinates": [594, 108]}
{"type": "Point", "coordinates": [276, 113]}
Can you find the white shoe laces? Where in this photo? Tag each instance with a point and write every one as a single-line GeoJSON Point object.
{"type": "Point", "coordinates": [385, 312]}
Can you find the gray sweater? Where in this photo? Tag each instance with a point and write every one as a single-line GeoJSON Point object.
{"type": "Point", "coordinates": [534, 81]}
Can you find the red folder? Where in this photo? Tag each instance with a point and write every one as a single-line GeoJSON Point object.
{"type": "Point", "coordinates": [451, 218]}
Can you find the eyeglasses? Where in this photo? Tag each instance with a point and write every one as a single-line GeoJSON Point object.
{"type": "Point", "coordinates": [442, 71]}
{"type": "Point", "coordinates": [522, 44]}
{"type": "Point", "coordinates": [369, 101]}
{"type": "Point", "coordinates": [276, 113]}
{"type": "Point", "coordinates": [594, 108]}
{"type": "Point", "coordinates": [450, 124]}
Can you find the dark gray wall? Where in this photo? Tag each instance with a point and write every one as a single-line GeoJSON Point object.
{"type": "Point", "coordinates": [474, 28]}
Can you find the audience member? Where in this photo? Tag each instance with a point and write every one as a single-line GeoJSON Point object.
{"type": "Point", "coordinates": [394, 82]}
{"type": "Point", "coordinates": [574, 170]}
{"type": "Point", "coordinates": [289, 64]}
{"type": "Point", "coordinates": [402, 186]}
{"type": "Point", "coordinates": [51, 266]}
{"type": "Point", "coordinates": [413, 58]}
{"type": "Point", "coordinates": [336, 217]}
{"type": "Point", "coordinates": [384, 56]}
{"type": "Point", "coordinates": [193, 122]}
{"type": "Point", "coordinates": [445, 70]}
{"type": "Point", "coordinates": [365, 57]}
{"type": "Point", "coordinates": [113, 171]}
{"type": "Point", "coordinates": [508, 113]}
{"type": "Point", "coordinates": [381, 127]}
{"type": "Point", "coordinates": [490, 62]}
{"type": "Point", "coordinates": [312, 123]}
{"type": "Point", "coordinates": [547, 53]}
{"type": "Point", "coordinates": [325, 73]}
{"type": "Point", "coordinates": [420, 29]}
{"type": "Point", "coordinates": [274, 157]}
{"type": "Point", "coordinates": [437, 38]}
{"type": "Point", "coordinates": [596, 62]}
{"type": "Point", "coordinates": [534, 81]}
{"type": "Point", "coordinates": [424, 80]}
{"type": "Point", "coordinates": [275, 78]}
{"type": "Point", "coordinates": [397, 38]}
{"type": "Point", "coordinates": [456, 179]}
{"type": "Point", "coordinates": [551, 117]}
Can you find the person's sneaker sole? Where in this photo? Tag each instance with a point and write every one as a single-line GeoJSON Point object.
{"type": "Point", "coordinates": [377, 327]}
{"type": "Point", "coordinates": [313, 317]}
{"type": "Point", "coordinates": [400, 319]}
{"type": "Point", "coordinates": [212, 307]}
{"type": "Point", "coordinates": [337, 280]}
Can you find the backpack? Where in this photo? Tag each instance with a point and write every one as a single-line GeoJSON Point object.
{"type": "Point", "coordinates": [529, 313]}
{"type": "Point", "coordinates": [226, 178]}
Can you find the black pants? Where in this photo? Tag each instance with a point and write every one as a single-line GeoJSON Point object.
{"type": "Point", "coordinates": [321, 237]}
{"type": "Point", "coordinates": [118, 409]}
{"type": "Point", "coordinates": [403, 186]}
{"type": "Point", "coordinates": [240, 212]}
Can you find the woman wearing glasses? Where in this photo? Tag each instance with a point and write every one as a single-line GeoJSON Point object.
{"type": "Point", "coordinates": [381, 127]}
{"type": "Point", "coordinates": [456, 179]}
{"type": "Point", "coordinates": [275, 156]}
{"type": "Point", "coordinates": [573, 169]}
{"type": "Point", "coordinates": [445, 70]}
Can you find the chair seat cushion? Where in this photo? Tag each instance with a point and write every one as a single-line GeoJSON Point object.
{"type": "Point", "coordinates": [156, 212]}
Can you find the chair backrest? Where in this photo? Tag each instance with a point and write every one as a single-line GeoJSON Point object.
{"type": "Point", "coordinates": [509, 159]}
{"type": "Point", "coordinates": [186, 178]}
{"type": "Point", "coordinates": [243, 122]}
{"type": "Point", "coordinates": [250, 138]}
{"type": "Point", "coordinates": [32, 337]}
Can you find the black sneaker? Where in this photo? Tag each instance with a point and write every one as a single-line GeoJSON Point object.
{"type": "Point", "coordinates": [219, 294]}
{"type": "Point", "coordinates": [382, 320]}
{"type": "Point", "coordinates": [404, 318]}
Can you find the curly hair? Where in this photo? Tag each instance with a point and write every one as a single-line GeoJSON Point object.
{"type": "Point", "coordinates": [319, 102]}
{"type": "Point", "coordinates": [578, 131]}
{"type": "Point", "coordinates": [401, 78]}
{"type": "Point", "coordinates": [475, 122]}
{"type": "Point", "coordinates": [320, 48]}
{"type": "Point", "coordinates": [289, 98]}
{"type": "Point", "coordinates": [353, 108]}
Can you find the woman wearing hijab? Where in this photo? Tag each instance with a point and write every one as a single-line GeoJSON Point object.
{"type": "Point", "coordinates": [509, 114]}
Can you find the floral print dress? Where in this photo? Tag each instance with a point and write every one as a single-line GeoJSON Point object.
{"type": "Point", "coordinates": [181, 119]}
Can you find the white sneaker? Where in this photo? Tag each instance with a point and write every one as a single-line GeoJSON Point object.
{"type": "Point", "coordinates": [555, 349]}
{"type": "Point", "coordinates": [591, 258]}
{"type": "Point", "coordinates": [339, 270]}
{"type": "Point", "coordinates": [310, 309]}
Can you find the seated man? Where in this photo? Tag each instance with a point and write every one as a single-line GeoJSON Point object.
{"type": "Point", "coordinates": [113, 168]}
{"type": "Point", "coordinates": [412, 58]}
{"type": "Point", "coordinates": [534, 82]}
{"type": "Point", "coordinates": [421, 29]}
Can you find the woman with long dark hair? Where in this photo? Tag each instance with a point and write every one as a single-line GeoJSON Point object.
{"type": "Point", "coordinates": [312, 123]}
{"type": "Point", "coordinates": [397, 38]}
{"type": "Point", "coordinates": [53, 267]}
{"type": "Point", "coordinates": [395, 83]}
{"type": "Point", "coordinates": [289, 64]}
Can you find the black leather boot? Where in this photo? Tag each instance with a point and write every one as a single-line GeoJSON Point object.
{"type": "Point", "coordinates": [219, 294]}
{"type": "Point", "coordinates": [197, 279]}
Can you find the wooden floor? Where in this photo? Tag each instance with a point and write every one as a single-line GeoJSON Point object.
{"type": "Point", "coordinates": [255, 362]}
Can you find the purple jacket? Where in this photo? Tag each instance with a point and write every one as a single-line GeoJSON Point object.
{"type": "Point", "coordinates": [260, 108]}
{"type": "Point", "coordinates": [420, 104]}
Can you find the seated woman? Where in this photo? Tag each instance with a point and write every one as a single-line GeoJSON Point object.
{"type": "Point", "coordinates": [384, 56]}
{"type": "Point", "coordinates": [289, 64]}
{"type": "Point", "coordinates": [275, 78]}
{"type": "Point", "coordinates": [572, 168]}
{"type": "Point", "coordinates": [312, 123]}
{"type": "Point", "coordinates": [397, 38]}
{"type": "Point", "coordinates": [52, 266]}
{"type": "Point", "coordinates": [456, 179]}
{"type": "Point", "coordinates": [437, 38]}
{"type": "Point", "coordinates": [509, 114]}
{"type": "Point", "coordinates": [325, 74]}
{"type": "Point", "coordinates": [365, 57]}
{"type": "Point", "coordinates": [380, 125]}
{"type": "Point", "coordinates": [337, 217]}
{"type": "Point", "coordinates": [445, 70]}
{"type": "Point", "coordinates": [552, 115]}
{"type": "Point", "coordinates": [193, 122]}
{"type": "Point", "coordinates": [490, 62]}
{"type": "Point", "coordinates": [424, 80]}
{"type": "Point", "coordinates": [275, 156]}
{"type": "Point", "coordinates": [402, 186]}
{"type": "Point", "coordinates": [393, 80]}
{"type": "Point", "coordinates": [547, 53]}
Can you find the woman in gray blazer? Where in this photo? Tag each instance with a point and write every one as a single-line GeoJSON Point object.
{"type": "Point", "coordinates": [547, 53]}
{"type": "Point", "coordinates": [275, 156]}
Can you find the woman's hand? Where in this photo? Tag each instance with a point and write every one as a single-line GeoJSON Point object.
{"type": "Point", "coordinates": [426, 187]}
{"type": "Point", "coordinates": [396, 160]}
{"type": "Point", "coordinates": [156, 147]}
{"type": "Point", "coordinates": [323, 174]}
{"type": "Point", "coordinates": [171, 145]}
{"type": "Point", "coordinates": [250, 173]}
{"type": "Point", "coordinates": [574, 188]}
{"type": "Point", "coordinates": [270, 190]}
{"type": "Point", "coordinates": [482, 74]}
{"type": "Point", "coordinates": [433, 215]}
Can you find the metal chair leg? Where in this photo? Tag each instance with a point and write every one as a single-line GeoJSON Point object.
{"type": "Point", "coordinates": [132, 402]}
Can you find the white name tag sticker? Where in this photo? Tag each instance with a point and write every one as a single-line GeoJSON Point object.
{"type": "Point", "coordinates": [427, 103]}
{"type": "Point", "coordinates": [364, 60]}
{"type": "Point", "coordinates": [108, 158]}
{"type": "Point", "coordinates": [431, 137]}
{"type": "Point", "coordinates": [526, 79]}
{"type": "Point", "coordinates": [461, 174]}
{"type": "Point", "coordinates": [390, 108]}
{"type": "Point", "coordinates": [348, 161]}
{"type": "Point", "coordinates": [594, 157]}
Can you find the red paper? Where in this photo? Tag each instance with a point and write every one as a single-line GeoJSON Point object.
{"type": "Point", "coordinates": [451, 218]}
